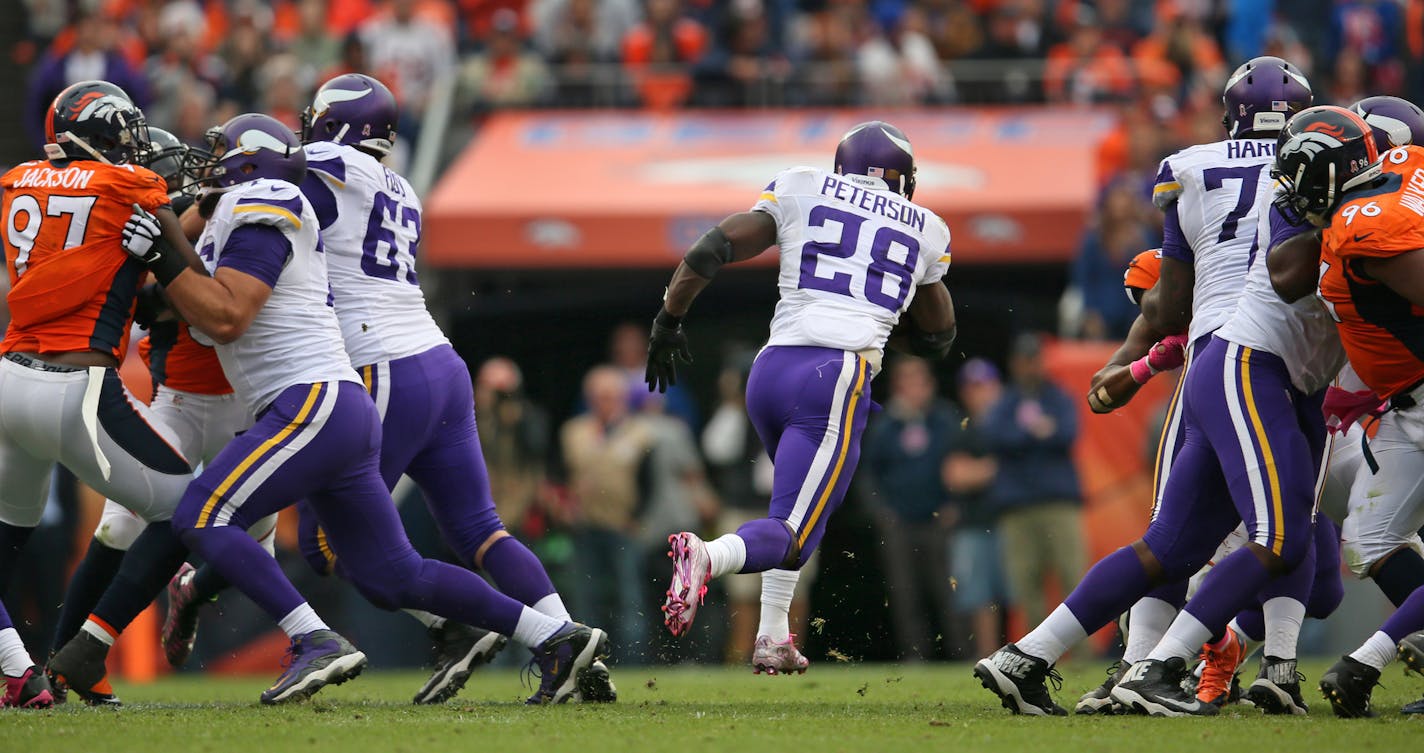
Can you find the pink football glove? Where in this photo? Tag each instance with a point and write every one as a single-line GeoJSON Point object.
{"type": "Point", "coordinates": [1169, 353]}
{"type": "Point", "coordinates": [1343, 408]}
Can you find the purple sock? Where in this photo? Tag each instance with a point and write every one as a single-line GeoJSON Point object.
{"type": "Point", "coordinates": [460, 595]}
{"type": "Point", "coordinates": [516, 571]}
{"type": "Point", "coordinates": [1230, 586]}
{"type": "Point", "coordinates": [1408, 619]}
{"type": "Point", "coordinates": [768, 541]}
{"type": "Point", "coordinates": [1252, 623]}
{"type": "Point", "coordinates": [5, 617]}
{"type": "Point", "coordinates": [246, 565]}
{"type": "Point", "coordinates": [1110, 588]}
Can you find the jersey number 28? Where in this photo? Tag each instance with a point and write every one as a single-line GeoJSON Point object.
{"type": "Point", "coordinates": [883, 245]}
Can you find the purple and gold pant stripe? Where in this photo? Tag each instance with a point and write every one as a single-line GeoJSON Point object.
{"type": "Point", "coordinates": [1262, 472]}
{"type": "Point", "coordinates": [262, 460]}
{"type": "Point", "coordinates": [830, 459]}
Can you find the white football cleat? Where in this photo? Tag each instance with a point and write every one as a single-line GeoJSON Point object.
{"type": "Point", "coordinates": [778, 658]}
{"type": "Point", "coordinates": [691, 569]}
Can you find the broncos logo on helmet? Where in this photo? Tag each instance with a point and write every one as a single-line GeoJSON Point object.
{"type": "Point", "coordinates": [95, 120]}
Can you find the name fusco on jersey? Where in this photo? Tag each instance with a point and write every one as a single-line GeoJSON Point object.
{"type": "Point", "coordinates": [371, 229]}
{"type": "Point", "coordinates": [291, 340]}
{"type": "Point", "coordinates": [1217, 191]}
{"type": "Point", "coordinates": [1301, 333]}
{"type": "Point", "coordinates": [852, 256]}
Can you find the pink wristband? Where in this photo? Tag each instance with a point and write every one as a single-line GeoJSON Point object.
{"type": "Point", "coordinates": [1141, 370]}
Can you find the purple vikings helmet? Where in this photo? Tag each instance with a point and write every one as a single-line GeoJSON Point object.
{"type": "Point", "coordinates": [1395, 121]}
{"type": "Point", "coordinates": [877, 149]}
{"type": "Point", "coordinates": [247, 148]}
{"type": "Point", "coordinates": [352, 109]}
{"type": "Point", "coordinates": [1261, 96]}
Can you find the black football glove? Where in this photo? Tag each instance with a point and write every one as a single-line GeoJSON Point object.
{"type": "Point", "coordinates": [149, 306]}
{"type": "Point", "coordinates": [666, 346]}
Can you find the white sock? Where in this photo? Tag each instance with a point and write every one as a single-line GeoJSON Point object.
{"type": "Point", "coordinates": [778, 588]}
{"type": "Point", "coordinates": [728, 553]}
{"type": "Point", "coordinates": [1147, 622]}
{"type": "Point", "coordinates": [1251, 644]}
{"type": "Point", "coordinates": [1377, 652]}
{"type": "Point", "coordinates": [553, 606]}
{"type": "Point", "coordinates": [301, 621]}
{"type": "Point", "coordinates": [14, 659]}
{"type": "Point", "coordinates": [94, 629]}
{"type": "Point", "coordinates": [535, 628]}
{"type": "Point", "coordinates": [1184, 638]}
{"type": "Point", "coordinates": [425, 618]}
{"type": "Point", "coordinates": [1052, 639]}
{"type": "Point", "coordinates": [1283, 617]}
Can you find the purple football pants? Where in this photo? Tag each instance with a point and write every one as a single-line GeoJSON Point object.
{"type": "Point", "coordinates": [809, 406]}
{"type": "Point", "coordinates": [322, 442]}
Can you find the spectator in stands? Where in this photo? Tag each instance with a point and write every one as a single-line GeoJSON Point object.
{"type": "Point", "coordinates": [582, 30]}
{"type": "Point", "coordinates": [92, 55]}
{"type": "Point", "coordinates": [1364, 34]}
{"type": "Point", "coordinates": [514, 434]}
{"type": "Point", "coordinates": [1086, 69]}
{"type": "Point", "coordinates": [181, 65]}
{"type": "Point", "coordinates": [903, 484]}
{"type": "Point", "coordinates": [504, 73]}
{"type": "Point", "coordinates": [659, 53]}
{"type": "Point", "coordinates": [409, 53]}
{"type": "Point", "coordinates": [1179, 55]}
{"type": "Point", "coordinates": [1119, 232]}
{"type": "Point", "coordinates": [1030, 433]}
{"type": "Point", "coordinates": [747, 65]}
{"type": "Point", "coordinates": [316, 48]}
{"type": "Point", "coordinates": [604, 451]}
{"type": "Point", "coordinates": [954, 28]}
{"type": "Point", "coordinates": [823, 43]}
{"type": "Point", "coordinates": [245, 49]}
{"type": "Point", "coordinates": [628, 351]}
{"type": "Point", "coordinates": [898, 65]}
{"type": "Point", "coordinates": [980, 587]}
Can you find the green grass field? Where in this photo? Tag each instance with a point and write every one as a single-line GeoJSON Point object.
{"type": "Point", "coordinates": [832, 708]}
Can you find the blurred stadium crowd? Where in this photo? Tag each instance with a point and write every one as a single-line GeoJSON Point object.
{"type": "Point", "coordinates": [596, 493]}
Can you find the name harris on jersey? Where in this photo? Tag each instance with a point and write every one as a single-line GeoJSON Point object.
{"type": "Point", "coordinates": [880, 201]}
{"type": "Point", "coordinates": [1250, 148]}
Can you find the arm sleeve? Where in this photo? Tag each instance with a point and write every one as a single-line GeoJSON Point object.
{"type": "Point", "coordinates": [1283, 229]}
{"type": "Point", "coordinates": [1166, 188]}
{"type": "Point", "coordinates": [258, 250]}
{"type": "Point", "coordinates": [321, 198]}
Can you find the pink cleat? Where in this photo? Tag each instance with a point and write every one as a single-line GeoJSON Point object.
{"type": "Point", "coordinates": [180, 626]}
{"type": "Point", "coordinates": [28, 691]}
{"type": "Point", "coordinates": [691, 569]}
{"type": "Point", "coordinates": [778, 658]}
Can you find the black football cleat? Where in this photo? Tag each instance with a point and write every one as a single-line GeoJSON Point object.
{"type": "Point", "coordinates": [1154, 687]}
{"type": "Point", "coordinates": [459, 649]}
{"type": "Point", "coordinates": [1276, 689]}
{"type": "Point", "coordinates": [1099, 700]}
{"type": "Point", "coordinates": [1019, 680]}
{"type": "Point", "coordinates": [80, 666]}
{"type": "Point", "coordinates": [1347, 686]}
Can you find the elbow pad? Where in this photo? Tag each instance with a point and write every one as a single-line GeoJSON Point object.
{"type": "Point", "coordinates": [934, 345]}
{"type": "Point", "coordinates": [709, 253]}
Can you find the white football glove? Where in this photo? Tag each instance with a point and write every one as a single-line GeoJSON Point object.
{"type": "Point", "coordinates": [140, 233]}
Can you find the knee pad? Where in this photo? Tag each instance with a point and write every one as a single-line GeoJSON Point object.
{"type": "Point", "coordinates": [118, 527]}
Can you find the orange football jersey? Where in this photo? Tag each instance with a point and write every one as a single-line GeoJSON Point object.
{"type": "Point", "coordinates": [72, 285]}
{"type": "Point", "coordinates": [1383, 333]}
{"type": "Point", "coordinates": [175, 359]}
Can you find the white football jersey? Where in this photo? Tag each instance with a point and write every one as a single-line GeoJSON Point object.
{"type": "Point", "coordinates": [852, 255]}
{"type": "Point", "coordinates": [1216, 191]}
{"type": "Point", "coordinates": [371, 230]}
{"type": "Point", "coordinates": [295, 338]}
{"type": "Point", "coordinates": [1301, 333]}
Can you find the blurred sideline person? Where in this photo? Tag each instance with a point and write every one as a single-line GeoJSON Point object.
{"type": "Point", "coordinates": [981, 588]}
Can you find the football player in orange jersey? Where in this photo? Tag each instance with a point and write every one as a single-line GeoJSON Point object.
{"type": "Point", "coordinates": [1370, 255]}
{"type": "Point", "coordinates": [71, 300]}
{"type": "Point", "coordinates": [191, 396]}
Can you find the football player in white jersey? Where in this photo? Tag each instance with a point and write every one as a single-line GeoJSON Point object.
{"type": "Point", "coordinates": [1212, 196]}
{"type": "Point", "coordinates": [856, 254]}
{"type": "Point", "coordinates": [267, 305]}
